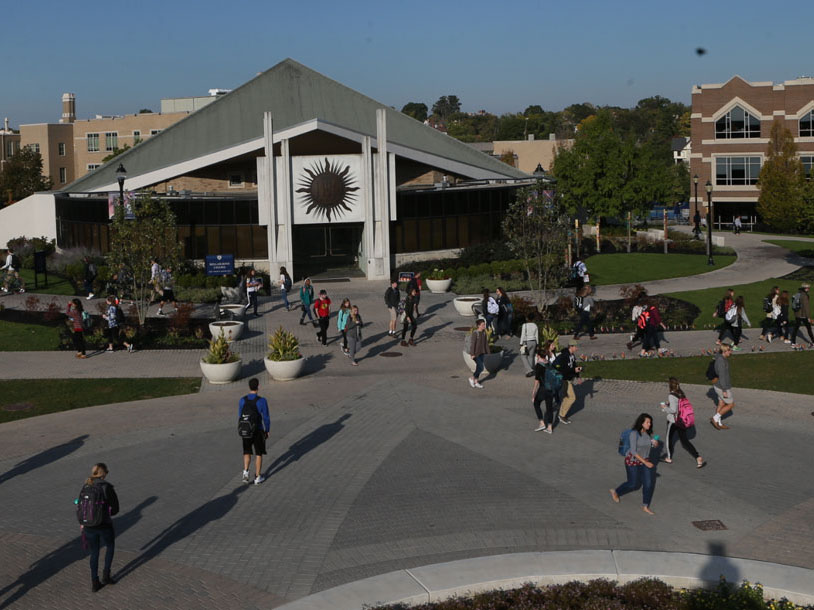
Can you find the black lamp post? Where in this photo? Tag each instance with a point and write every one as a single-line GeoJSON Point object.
{"type": "Point", "coordinates": [695, 183]}
{"type": "Point", "coordinates": [709, 223]}
{"type": "Point", "coordinates": [121, 176]}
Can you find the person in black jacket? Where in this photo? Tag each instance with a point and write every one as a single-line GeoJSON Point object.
{"type": "Point", "coordinates": [566, 364]}
{"type": "Point", "coordinates": [415, 284]}
{"type": "Point", "coordinates": [391, 299]}
{"type": "Point", "coordinates": [410, 313]}
{"type": "Point", "coordinates": [96, 535]}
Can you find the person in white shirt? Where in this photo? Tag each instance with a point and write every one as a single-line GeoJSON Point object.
{"type": "Point", "coordinates": [285, 286]}
{"type": "Point", "coordinates": [529, 338]}
{"type": "Point", "coordinates": [253, 285]}
{"type": "Point", "coordinates": [12, 272]}
{"type": "Point", "coordinates": [155, 278]}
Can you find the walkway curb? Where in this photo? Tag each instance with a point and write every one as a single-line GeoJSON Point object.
{"type": "Point", "coordinates": [470, 576]}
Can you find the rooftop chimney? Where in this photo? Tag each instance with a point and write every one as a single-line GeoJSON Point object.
{"type": "Point", "coordinates": [68, 108]}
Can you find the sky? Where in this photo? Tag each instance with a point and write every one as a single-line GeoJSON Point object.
{"type": "Point", "coordinates": [121, 55]}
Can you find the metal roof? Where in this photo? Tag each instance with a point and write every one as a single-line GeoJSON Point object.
{"type": "Point", "coordinates": [295, 94]}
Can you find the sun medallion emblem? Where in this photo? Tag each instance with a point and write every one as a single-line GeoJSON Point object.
{"type": "Point", "coordinates": [327, 190]}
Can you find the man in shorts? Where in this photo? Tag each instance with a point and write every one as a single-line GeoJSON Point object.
{"type": "Point", "coordinates": [167, 294]}
{"type": "Point", "coordinates": [723, 387]}
{"type": "Point", "coordinates": [262, 426]}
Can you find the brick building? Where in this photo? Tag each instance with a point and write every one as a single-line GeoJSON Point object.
{"type": "Point", "coordinates": [730, 126]}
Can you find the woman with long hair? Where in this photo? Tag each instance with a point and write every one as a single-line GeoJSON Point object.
{"type": "Point", "coordinates": [674, 426]}
{"type": "Point", "coordinates": [94, 536]}
{"type": "Point", "coordinates": [736, 317]}
{"type": "Point", "coordinates": [505, 313]}
{"type": "Point", "coordinates": [354, 334]}
{"type": "Point", "coordinates": [342, 322]}
{"type": "Point", "coordinates": [285, 286]}
{"type": "Point", "coordinates": [74, 313]}
{"type": "Point", "coordinates": [539, 393]}
{"type": "Point", "coordinates": [768, 322]}
{"type": "Point", "coordinates": [638, 466]}
{"type": "Point", "coordinates": [529, 338]}
{"type": "Point", "coordinates": [782, 319]}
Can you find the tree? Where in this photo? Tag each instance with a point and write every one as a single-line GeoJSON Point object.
{"type": "Point", "coordinates": [135, 239]}
{"type": "Point", "coordinates": [417, 110]}
{"type": "Point", "coordinates": [22, 176]}
{"type": "Point", "coordinates": [145, 111]}
{"type": "Point", "coordinates": [533, 110]}
{"type": "Point", "coordinates": [536, 229]}
{"type": "Point", "coordinates": [116, 152]}
{"type": "Point", "coordinates": [446, 106]}
{"type": "Point", "coordinates": [781, 182]}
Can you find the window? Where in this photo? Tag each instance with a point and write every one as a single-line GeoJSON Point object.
{"type": "Point", "coordinates": [111, 141]}
{"type": "Point", "coordinates": [735, 171]}
{"type": "Point", "coordinates": [737, 123]}
{"type": "Point", "coordinates": [136, 136]}
{"type": "Point", "coordinates": [235, 180]}
{"type": "Point", "coordinates": [808, 163]}
{"type": "Point", "coordinates": [93, 142]}
{"type": "Point", "coordinates": [807, 125]}
{"type": "Point", "coordinates": [63, 175]}
{"type": "Point", "coordinates": [33, 147]}
{"type": "Point", "coordinates": [92, 166]}
{"type": "Point", "coordinates": [9, 148]}
{"type": "Point", "coordinates": [61, 148]}
{"type": "Point", "coordinates": [154, 132]}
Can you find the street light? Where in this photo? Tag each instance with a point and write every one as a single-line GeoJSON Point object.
{"type": "Point", "coordinates": [121, 175]}
{"type": "Point", "coordinates": [709, 223]}
{"type": "Point", "coordinates": [697, 228]}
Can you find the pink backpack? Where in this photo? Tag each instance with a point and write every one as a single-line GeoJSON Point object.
{"type": "Point", "coordinates": [685, 418]}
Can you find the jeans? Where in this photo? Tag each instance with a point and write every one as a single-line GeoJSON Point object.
{"type": "Point", "coordinates": [344, 339]}
{"type": "Point", "coordinates": [306, 311]}
{"type": "Point", "coordinates": [354, 345]}
{"type": "Point", "coordinates": [252, 301]}
{"type": "Point", "coordinates": [651, 338]}
{"type": "Point", "coordinates": [798, 322]}
{"type": "Point", "coordinates": [639, 476]}
{"type": "Point", "coordinates": [88, 286]}
{"type": "Point", "coordinates": [736, 334]}
{"type": "Point", "coordinates": [408, 321]}
{"type": "Point", "coordinates": [284, 294]}
{"type": "Point", "coordinates": [478, 366]}
{"type": "Point", "coordinates": [79, 341]}
{"type": "Point", "coordinates": [550, 406]}
{"type": "Point", "coordinates": [95, 536]}
{"type": "Point", "coordinates": [584, 321]}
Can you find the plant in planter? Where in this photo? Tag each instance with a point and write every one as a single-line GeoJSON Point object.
{"type": "Point", "coordinates": [438, 280]}
{"type": "Point", "coordinates": [284, 361]}
{"type": "Point", "coordinates": [221, 364]}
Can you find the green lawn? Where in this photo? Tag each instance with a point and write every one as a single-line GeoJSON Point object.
{"type": "Point", "coordinates": [636, 267]}
{"type": "Point", "coordinates": [55, 395]}
{"type": "Point", "coordinates": [707, 299]}
{"type": "Point", "coordinates": [56, 284]}
{"type": "Point", "coordinates": [803, 248]}
{"type": "Point", "coordinates": [22, 337]}
{"type": "Point", "coordinates": [784, 372]}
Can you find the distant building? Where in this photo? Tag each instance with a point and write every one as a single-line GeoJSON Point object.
{"type": "Point", "coordinates": [682, 149]}
{"type": "Point", "coordinates": [730, 127]}
{"type": "Point", "coordinates": [9, 145]}
{"type": "Point", "coordinates": [530, 153]}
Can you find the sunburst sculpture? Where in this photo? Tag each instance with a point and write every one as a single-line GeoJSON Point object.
{"type": "Point", "coordinates": [327, 190]}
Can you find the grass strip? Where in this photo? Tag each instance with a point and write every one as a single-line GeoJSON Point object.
{"type": "Point", "coordinates": [55, 395]}
{"type": "Point", "coordinates": [639, 267]}
{"type": "Point", "coordinates": [803, 248]}
{"type": "Point", "coordinates": [25, 337]}
{"type": "Point", "coordinates": [783, 372]}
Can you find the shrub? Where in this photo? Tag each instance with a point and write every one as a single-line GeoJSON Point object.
{"type": "Point", "coordinates": [437, 274]}
{"type": "Point", "coordinates": [483, 253]}
{"type": "Point", "coordinates": [283, 346]}
{"type": "Point", "coordinates": [25, 247]}
{"type": "Point", "coordinates": [219, 352]}
{"type": "Point", "coordinates": [198, 295]}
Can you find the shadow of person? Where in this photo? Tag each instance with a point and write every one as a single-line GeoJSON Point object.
{"type": "Point", "coordinates": [308, 442]}
{"type": "Point", "coordinates": [182, 528]}
{"type": "Point", "coordinates": [581, 391]}
{"type": "Point", "coordinates": [432, 308]}
{"type": "Point", "coordinates": [377, 348]}
{"type": "Point", "coordinates": [316, 363]}
{"type": "Point", "coordinates": [60, 558]}
{"type": "Point", "coordinates": [718, 567]}
{"type": "Point", "coordinates": [428, 332]}
{"type": "Point", "coordinates": [44, 458]}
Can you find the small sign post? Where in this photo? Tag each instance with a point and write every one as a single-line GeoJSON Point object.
{"type": "Point", "coordinates": [40, 267]}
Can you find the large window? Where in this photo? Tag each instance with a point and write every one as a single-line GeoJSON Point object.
{"type": "Point", "coordinates": [737, 123]}
{"type": "Point", "coordinates": [111, 141]}
{"type": "Point", "coordinates": [61, 149]}
{"type": "Point", "coordinates": [808, 164]}
{"type": "Point", "coordinates": [93, 142]}
{"type": "Point", "coordinates": [93, 166]}
{"type": "Point", "coordinates": [63, 175]}
{"type": "Point", "coordinates": [807, 125]}
{"type": "Point", "coordinates": [33, 147]}
{"type": "Point", "coordinates": [735, 171]}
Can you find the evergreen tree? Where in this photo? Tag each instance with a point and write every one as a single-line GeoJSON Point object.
{"type": "Point", "coordinates": [781, 182]}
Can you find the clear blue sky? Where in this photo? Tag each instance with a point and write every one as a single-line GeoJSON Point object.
{"type": "Point", "coordinates": [120, 56]}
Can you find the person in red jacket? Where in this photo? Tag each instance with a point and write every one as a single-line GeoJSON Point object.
{"type": "Point", "coordinates": [322, 309]}
{"type": "Point", "coordinates": [651, 343]}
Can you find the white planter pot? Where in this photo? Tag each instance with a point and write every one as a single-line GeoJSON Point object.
{"type": "Point", "coordinates": [285, 370]}
{"type": "Point", "coordinates": [491, 362]}
{"type": "Point", "coordinates": [236, 310]}
{"type": "Point", "coordinates": [232, 329]}
{"type": "Point", "coordinates": [221, 373]}
{"type": "Point", "coordinates": [463, 305]}
{"type": "Point", "coordinates": [438, 286]}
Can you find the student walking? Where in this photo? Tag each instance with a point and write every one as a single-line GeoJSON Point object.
{"type": "Point", "coordinates": [253, 285]}
{"type": "Point", "coordinates": [392, 298]}
{"type": "Point", "coordinates": [322, 309]}
{"type": "Point", "coordinates": [678, 404]}
{"type": "Point", "coordinates": [639, 316]}
{"type": "Point", "coordinates": [342, 317]}
{"type": "Point", "coordinates": [723, 387]}
{"type": "Point", "coordinates": [585, 304]}
{"type": "Point", "coordinates": [801, 306]}
{"type": "Point", "coordinates": [505, 313]}
{"type": "Point", "coordinates": [115, 317]}
{"type": "Point", "coordinates": [306, 300]}
{"type": "Point", "coordinates": [96, 504]}
{"type": "Point", "coordinates": [720, 312]}
{"type": "Point", "coordinates": [770, 308]}
{"type": "Point", "coordinates": [285, 287]}
{"type": "Point", "coordinates": [415, 285]}
{"type": "Point", "coordinates": [651, 345]}
{"type": "Point", "coordinates": [353, 330]}
{"type": "Point", "coordinates": [737, 225]}
{"type": "Point", "coordinates": [167, 292]}
{"type": "Point", "coordinates": [529, 338]}
{"type": "Point", "coordinates": [736, 317]}
{"type": "Point", "coordinates": [478, 348]}
{"type": "Point", "coordinates": [542, 390]}
{"type": "Point", "coordinates": [410, 313]}
{"type": "Point", "coordinates": [489, 309]}
{"type": "Point", "coordinates": [253, 425]}
{"type": "Point", "coordinates": [783, 328]}
{"type": "Point", "coordinates": [90, 276]}
{"type": "Point", "coordinates": [640, 470]}
{"type": "Point", "coordinates": [566, 365]}
{"type": "Point", "coordinates": [76, 314]}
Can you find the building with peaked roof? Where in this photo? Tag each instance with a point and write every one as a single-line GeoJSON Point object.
{"type": "Point", "coordinates": [295, 169]}
{"type": "Point", "coordinates": [730, 127]}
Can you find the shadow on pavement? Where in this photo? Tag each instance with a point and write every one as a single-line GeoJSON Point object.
{"type": "Point", "coordinates": [377, 346]}
{"type": "Point", "coordinates": [252, 368]}
{"type": "Point", "coordinates": [44, 458]}
{"type": "Point", "coordinates": [433, 308]}
{"type": "Point", "coordinates": [310, 441]}
{"type": "Point", "coordinates": [586, 388]}
{"type": "Point", "coordinates": [60, 558]}
{"type": "Point", "coordinates": [316, 363]}
{"type": "Point", "coordinates": [429, 331]}
{"type": "Point", "coordinates": [718, 565]}
{"type": "Point", "coordinates": [184, 527]}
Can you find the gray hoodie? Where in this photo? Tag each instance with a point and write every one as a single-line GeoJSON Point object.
{"type": "Point", "coordinates": [722, 370]}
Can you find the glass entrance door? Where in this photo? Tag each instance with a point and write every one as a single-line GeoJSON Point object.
{"type": "Point", "coordinates": [322, 248]}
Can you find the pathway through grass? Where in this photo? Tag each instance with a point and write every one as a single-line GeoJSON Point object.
{"type": "Point", "coordinates": [639, 267]}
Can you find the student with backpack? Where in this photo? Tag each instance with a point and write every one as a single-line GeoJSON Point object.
{"type": "Point", "coordinates": [736, 317]}
{"type": "Point", "coordinates": [96, 504]}
{"type": "Point", "coordinates": [722, 384]}
{"type": "Point", "coordinates": [770, 319]}
{"type": "Point", "coordinates": [253, 286]}
{"type": "Point", "coordinates": [782, 326]}
{"type": "Point", "coordinates": [680, 418]}
{"type": "Point", "coordinates": [651, 345]}
{"type": "Point", "coordinates": [410, 313]}
{"type": "Point", "coordinates": [720, 312]}
{"type": "Point", "coordinates": [801, 307]}
{"type": "Point", "coordinates": [639, 315]}
{"type": "Point", "coordinates": [392, 298]}
{"type": "Point", "coordinates": [635, 445]}
{"type": "Point", "coordinates": [505, 313]}
{"type": "Point", "coordinates": [306, 301]}
{"type": "Point", "coordinates": [547, 385]}
{"type": "Point", "coordinates": [12, 269]}
{"type": "Point", "coordinates": [115, 319]}
{"type": "Point", "coordinates": [342, 317]}
{"type": "Point", "coordinates": [489, 309]}
{"type": "Point", "coordinates": [585, 304]}
{"type": "Point", "coordinates": [76, 314]}
{"type": "Point", "coordinates": [529, 338]}
{"type": "Point", "coordinates": [354, 334]}
{"type": "Point", "coordinates": [253, 425]}
{"type": "Point", "coordinates": [285, 287]}
{"type": "Point", "coordinates": [566, 366]}
{"type": "Point", "coordinates": [322, 310]}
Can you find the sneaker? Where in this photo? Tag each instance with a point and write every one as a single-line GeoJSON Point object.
{"type": "Point", "coordinates": [786, 341]}
{"type": "Point", "coordinates": [477, 385]}
{"type": "Point", "coordinates": [259, 479]}
{"type": "Point", "coordinates": [22, 290]}
{"type": "Point", "coordinates": [540, 428]}
{"type": "Point", "coordinates": [403, 344]}
{"type": "Point", "coordinates": [769, 338]}
{"type": "Point", "coordinates": [548, 431]}
{"type": "Point", "coordinates": [245, 476]}
{"type": "Point", "coordinates": [735, 348]}
{"type": "Point", "coordinates": [564, 420]}
{"type": "Point", "coordinates": [89, 297]}
{"type": "Point", "coordinates": [130, 348]}
{"type": "Point", "coordinates": [411, 342]}
{"type": "Point", "coordinates": [109, 349]}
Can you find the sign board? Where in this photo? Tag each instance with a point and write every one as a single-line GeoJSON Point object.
{"type": "Point", "coordinates": [113, 201]}
{"type": "Point", "coordinates": [39, 261]}
{"type": "Point", "coordinates": [406, 276]}
{"type": "Point", "coordinates": [220, 264]}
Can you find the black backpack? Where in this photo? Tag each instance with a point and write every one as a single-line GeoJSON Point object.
{"type": "Point", "coordinates": [578, 303]}
{"type": "Point", "coordinates": [120, 319]}
{"type": "Point", "coordinates": [248, 423]}
{"type": "Point", "coordinates": [91, 506]}
{"type": "Point", "coordinates": [15, 262]}
{"type": "Point", "coordinates": [287, 283]}
{"type": "Point", "coordinates": [711, 374]}
{"type": "Point", "coordinates": [720, 309]}
{"type": "Point", "coordinates": [767, 304]}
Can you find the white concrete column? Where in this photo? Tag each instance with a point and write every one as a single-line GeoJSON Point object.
{"type": "Point", "coordinates": [367, 202]}
{"type": "Point", "coordinates": [285, 210]}
{"type": "Point", "coordinates": [267, 190]}
{"type": "Point", "coordinates": [381, 226]}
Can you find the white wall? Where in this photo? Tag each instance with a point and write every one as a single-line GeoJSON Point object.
{"type": "Point", "coordinates": [33, 216]}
